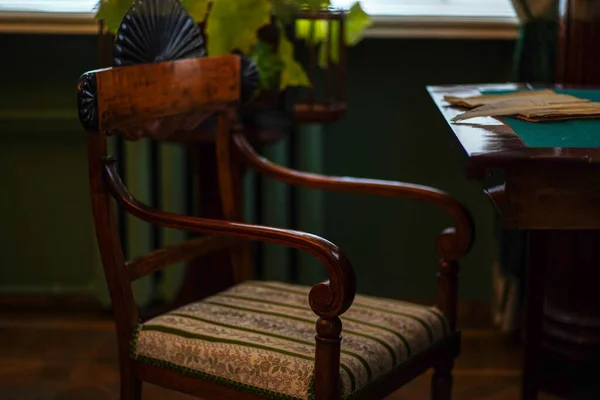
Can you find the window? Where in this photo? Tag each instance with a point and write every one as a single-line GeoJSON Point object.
{"type": "Point", "coordinates": [462, 8]}
{"type": "Point", "coordinates": [458, 8]}
{"type": "Point", "coordinates": [487, 19]}
{"type": "Point", "coordinates": [48, 6]}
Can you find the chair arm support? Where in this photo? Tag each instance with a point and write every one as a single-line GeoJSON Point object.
{"type": "Point", "coordinates": [327, 299]}
{"type": "Point", "coordinates": [452, 244]}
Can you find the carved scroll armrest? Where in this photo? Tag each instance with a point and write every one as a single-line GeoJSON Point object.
{"type": "Point", "coordinates": [452, 244]}
{"type": "Point", "coordinates": [328, 299]}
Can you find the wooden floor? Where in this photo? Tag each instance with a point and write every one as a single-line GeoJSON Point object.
{"type": "Point", "coordinates": [48, 357]}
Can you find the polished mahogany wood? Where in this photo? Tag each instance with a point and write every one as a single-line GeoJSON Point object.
{"type": "Point", "coordinates": [328, 300]}
{"type": "Point", "coordinates": [190, 249]}
{"type": "Point", "coordinates": [489, 143]}
{"type": "Point", "coordinates": [537, 264]}
{"type": "Point", "coordinates": [325, 100]}
{"type": "Point", "coordinates": [308, 113]}
{"type": "Point", "coordinates": [111, 253]}
{"type": "Point", "coordinates": [190, 118]}
{"type": "Point", "coordinates": [579, 30]}
{"type": "Point", "coordinates": [452, 244]}
{"type": "Point", "coordinates": [552, 194]}
{"type": "Point", "coordinates": [230, 178]}
{"type": "Point", "coordinates": [154, 85]}
{"type": "Point", "coordinates": [553, 197]}
{"type": "Point", "coordinates": [447, 290]}
{"type": "Point", "coordinates": [205, 201]}
{"type": "Point", "coordinates": [564, 179]}
{"type": "Point", "coordinates": [190, 385]}
{"type": "Point", "coordinates": [198, 131]}
{"type": "Point", "coordinates": [340, 288]}
{"type": "Point", "coordinates": [327, 352]}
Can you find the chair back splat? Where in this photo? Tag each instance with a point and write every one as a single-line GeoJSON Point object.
{"type": "Point", "coordinates": [254, 339]}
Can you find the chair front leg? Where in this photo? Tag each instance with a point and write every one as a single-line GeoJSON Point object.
{"type": "Point", "coordinates": [441, 382]}
{"type": "Point", "coordinates": [447, 290]}
{"type": "Point", "coordinates": [446, 301]}
{"type": "Point", "coordinates": [447, 278]}
{"type": "Point", "coordinates": [327, 359]}
{"type": "Point", "coordinates": [131, 385]}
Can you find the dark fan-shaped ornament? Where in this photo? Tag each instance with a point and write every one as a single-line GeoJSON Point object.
{"type": "Point", "coordinates": [155, 31]}
{"type": "Point", "coordinates": [250, 78]}
{"type": "Point", "coordinates": [87, 101]}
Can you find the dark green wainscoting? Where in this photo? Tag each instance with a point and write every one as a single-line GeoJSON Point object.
{"type": "Point", "coordinates": [46, 233]}
{"type": "Point", "coordinates": [392, 131]}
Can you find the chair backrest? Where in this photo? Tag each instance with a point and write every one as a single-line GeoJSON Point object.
{"type": "Point", "coordinates": [150, 101]}
{"type": "Point", "coordinates": [163, 88]}
{"type": "Point", "coordinates": [136, 101]}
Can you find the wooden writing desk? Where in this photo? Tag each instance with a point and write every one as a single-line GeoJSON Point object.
{"type": "Point", "coordinates": [552, 193]}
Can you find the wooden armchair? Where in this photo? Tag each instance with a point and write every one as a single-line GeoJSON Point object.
{"type": "Point", "coordinates": [255, 339]}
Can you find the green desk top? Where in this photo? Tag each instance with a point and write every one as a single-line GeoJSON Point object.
{"type": "Point", "coordinates": [575, 133]}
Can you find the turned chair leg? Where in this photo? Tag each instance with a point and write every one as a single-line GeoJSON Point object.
{"type": "Point", "coordinates": [441, 382]}
{"type": "Point", "coordinates": [131, 386]}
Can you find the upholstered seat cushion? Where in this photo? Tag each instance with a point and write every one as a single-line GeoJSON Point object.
{"type": "Point", "coordinates": [259, 336]}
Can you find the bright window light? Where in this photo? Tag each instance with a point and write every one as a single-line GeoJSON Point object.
{"type": "Point", "coordinates": [458, 8]}
{"type": "Point", "coordinates": [49, 6]}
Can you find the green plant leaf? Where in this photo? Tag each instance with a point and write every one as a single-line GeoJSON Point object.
{"type": "Point", "coordinates": [293, 73]}
{"type": "Point", "coordinates": [268, 63]}
{"type": "Point", "coordinates": [356, 22]}
{"type": "Point", "coordinates": [196, 8]}
{"type": "Point", "coordinates": [284, 10]}
{"type": "Point", "coordinates": [318, 27]}
{"type": "Point", "coordinates": [304, 26]}
{"type": "Point", "coordinates": [233, 25]}
{"type": "Point", "coordinates": [313, 5]}
{"type": "Point", "coordinates": [335, 47]}
{"type": "Point", "coordinates": [112, 13]}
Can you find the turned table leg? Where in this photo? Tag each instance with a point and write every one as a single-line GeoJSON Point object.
{"type": "Point", "coordinates": [562, 313]}
{"type": "Point", "coordinates": [534, 305]}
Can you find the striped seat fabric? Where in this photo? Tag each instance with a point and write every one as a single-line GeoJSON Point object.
{"type": "Point", "coordinates": [259, 337]}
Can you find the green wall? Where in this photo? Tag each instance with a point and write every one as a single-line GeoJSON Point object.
{"type": "Point", "coordinates": [47, 241]}
{"type": "Point", "coordinates": [46, 233]}
{"type": "Point", "coordinates": [391, 131]}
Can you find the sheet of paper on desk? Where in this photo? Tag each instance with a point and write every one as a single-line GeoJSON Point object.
{"type": "Point", "coordinates": [484, 99]}
{"type": "Point", "coordinates": [535, 106]}
{"type": "Point", "coordinates": [534, 110]}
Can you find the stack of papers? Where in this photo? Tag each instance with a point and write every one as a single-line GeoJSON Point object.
{"type": "Point", "coordinates": [535, 106]}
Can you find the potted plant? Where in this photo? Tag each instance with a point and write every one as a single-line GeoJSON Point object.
{"type": "Point", "coordinates": [256, 28]}
{"type": "Point", "coordinates": [268, 32]}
